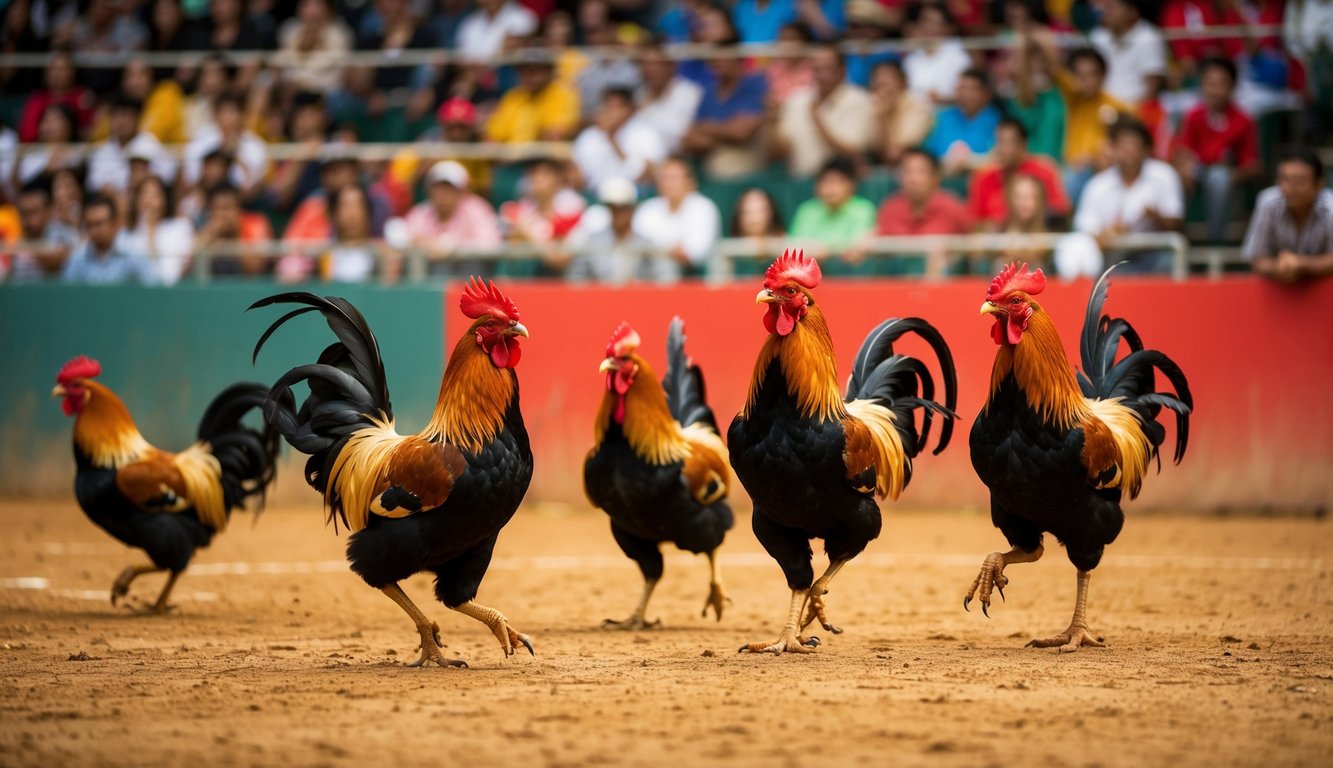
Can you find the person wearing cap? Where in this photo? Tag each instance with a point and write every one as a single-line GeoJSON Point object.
{"type": "Point", "coordinates": [607, 249]}
{"type": "Point", "coordinates": [816, 124]}
{"type": "Point", "coordinates": [539, 108]}
{"type": "Point", "coordinates": [617, 146]}
{"type": "Point", "coordinates": [457, 124]}
{"type": "Point", "coordinates": [109, 164]}
{"type": "Point", "coordinates": [452, 218]}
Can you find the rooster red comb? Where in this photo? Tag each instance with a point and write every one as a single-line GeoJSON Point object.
{"type": "Point", "coordinates": [792, 266]}
{"type": "Point", "coordinates": [1016, 277]}
{"type": "Point", "coordinates": [481, 299]}
{"type": "Point", "coordinates": [624, 341]}
{"type": "Point", "coordinates": [81, 367]}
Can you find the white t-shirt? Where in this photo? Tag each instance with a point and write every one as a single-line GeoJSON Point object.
{"type": "Point", "coordinates": [671, 114]}
{"type": "Point", "coordinates": [936, 72]}
{"type": "Point", "coordinates": [251, 160]}
{"type": "Point", "coordinates": [109, 164]}
{"type": "Point", "coordinates": [847, 113]}
{"type": "Point", "coordinates": [1139, 53]}
{"type": "Point", "coordinates": [169, 250]}
{"type": "Point", "coordinates": [694, 225]}
{"type": "Point", "coordinates": [598, 161]}
{"type": "Point", "coordinates": [481, 38]}
{"type": "Point", "coordinates": [1107, 200]}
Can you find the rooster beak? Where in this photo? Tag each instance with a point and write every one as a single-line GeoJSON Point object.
{"type": "Point", "coordinates": [518, 329]}
{"type": "Point", "coordinates": [766, 297]}
{"type": "Point", "coordinates": [59, 391]}
{"type": "Point", "coordinates": [608, 365]}
{"type": "Point", "coordinates": [989, 308]}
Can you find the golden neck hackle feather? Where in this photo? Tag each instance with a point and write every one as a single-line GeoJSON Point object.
{"type": "Point", "coordinates": [651, 431]}
{"type": "Point", "coordinates": [105, 431]}
{"type": "Point", "coordinates": [806, 356]}
{"type": "Point", "coordinates": [474, 396]}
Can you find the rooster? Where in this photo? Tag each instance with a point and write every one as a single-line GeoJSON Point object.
{"type": "Point", "coordinates": [1059, 451]}
{"type": "Point", "coordinates": [167, 504]}
{"type": "Point", "coordinates": [658, 466]}
{"type": "Point", "coordinates": [814, 461]}
{"type": "Point", "coordinates": [434, 501]}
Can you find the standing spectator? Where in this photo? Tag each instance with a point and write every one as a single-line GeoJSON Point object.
{"type": "Point", "coordinates": [539, 108]}
{"type": "Point", "coordinates": [1217, 147]}
{"type": "Point", "coordinates": [836, 218]}
{"type": "Point", "coordinates": [680, 220]}
{"type": "Point", "coordinates": [103, 258]}
{"type": "Point", "coordinates": [1136, 194]}
{"type": "Point", "coordinates": [987, 194]}
{"type": "Point", "coordinates": [922, 208]}
{"type": "Point", "coordinates": [452, 218]}
{"type": "Point", "coordinates": [227, 224]}
{"type": "Point", "coordinates": [354, 253]}
{"type": "Point", "coordinates": [109, 164]}
{"type": "Point", "coordinates": [817, 124]}
{"type": "Point", "coordinates": [934, 67]}
{"type": "Point", "coordinates": [1290, 236]}
{"type": "Point", "coordinates": [1134, 51]}
{"type": "Point", "coordinates": [548, 210]}
{"type": "Point", "coordinates": [314, 42]}
{"type": "Point", "coordinates": [165, 240]}
{"type": "Point", "coordinates": [617, 146]}
{"type": "Point", "coordinates": [229, 134]}
{"type": "Point", "coordinates": [607, 248]}
{"type": "Point", "coordinates": [902, 119]}
{"type": "Point", "coordinates": [964, 133]}
{"type": "Point", "coordinates": [482, 34]}
{"type": "Point", "coordinates": [56, 128]}
{"type": "Point", "coordinates": [51, 240]}
{"type": "Point", "coordinates": [726, 128]}
{"type": "Point", "coordinates": [61, 88]}
{"type": "Point", "coordinates": [667, 101]}
{"type": "Point", "coordinates": [1037, 102]}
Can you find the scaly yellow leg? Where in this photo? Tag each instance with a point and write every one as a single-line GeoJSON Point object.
{"type": "Point", "coordinates": [816, 608]}
{"type": "Point", "coordinates": [499, 625]}
{"type": "Point", "coordinates": [430, 631]}
{"type": "Point", "coordinates": [637, 621]}
{"type": "Point", "coordinates": [717, 597]}
{"type": "Point", "coordinates": [992, 575]}
{"type": "Point", "coordinates": [1078, 633]}
{"type": "Point", "coordinates": [788, 641]}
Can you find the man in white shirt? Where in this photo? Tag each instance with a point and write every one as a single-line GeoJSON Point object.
{"type": "Point", "coordinates": [229, 134]}
{"type": "Point", "coordinates": [617, 145]}
{"type": "Point", "coordinates": [831, 119]}
{"type": "Point", "coordinates": [109, 164]}
{"type": "Point", "coordinates": [680, 219]}
{"type": "Point", "coordinates": [481, 36]}
{"type": "Point", "coordinates": [933, 68]}
{"type": "Point", "coordinates": [1134, 50]}
{"type": "Point", "coordinates": [667, 101]}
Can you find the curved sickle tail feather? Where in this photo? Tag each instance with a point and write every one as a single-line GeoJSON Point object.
{"type": "Point", "coordinates": [902, 384]}
{"type": "Point", "coordinates": [246, 456]}
{"type": "Point", "coordinates": [1134, 377]}
{"type": "Point", "coordinates": [684, 382]}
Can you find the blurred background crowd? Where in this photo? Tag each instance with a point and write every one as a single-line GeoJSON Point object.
{"type": "Point", "coordinates": [625, 140]}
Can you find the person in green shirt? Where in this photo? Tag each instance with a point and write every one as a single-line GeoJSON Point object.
{"type": "Point", "coordinates": [837, 219]}
{"type": "Point", "coordinates": [1037, 102]}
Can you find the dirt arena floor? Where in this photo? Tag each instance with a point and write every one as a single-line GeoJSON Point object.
{"type": "Point", "coordinates": [1218, 635]}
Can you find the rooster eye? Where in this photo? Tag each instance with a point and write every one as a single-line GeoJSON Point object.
{"type": "Point", "coordinates": [1015, 300]}
{"type": "Point", "coordinates": [791, 291]}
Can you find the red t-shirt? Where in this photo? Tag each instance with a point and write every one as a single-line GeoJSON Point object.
{"type": "Point", "coordinates": [943, 214]}
{"type": "Point", "coordinates": [985, 196]}
{"type": "Point", "coordinates": [1230, 137]}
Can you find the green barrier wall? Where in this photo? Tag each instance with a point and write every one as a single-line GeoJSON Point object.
{"type": "Point", "coordinates": [167, 352]}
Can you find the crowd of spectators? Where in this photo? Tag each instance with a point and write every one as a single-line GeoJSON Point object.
{"type": "Point", "coordinates": [1088, 119]}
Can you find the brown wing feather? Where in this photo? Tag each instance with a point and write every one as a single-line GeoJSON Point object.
{"type": "Point", "coordinates": [859, 454]}
{"type": "Point", "coordinates": [424, 470]}
{"type": "Point", "coordinates": [153, 481]}
{"type": "Point", "coordinates": [1100, 454]}
{"type": "Point", "coordinates": [705, 471]}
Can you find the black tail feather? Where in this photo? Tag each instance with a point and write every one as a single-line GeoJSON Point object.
{"type": "Point", "coordinates": [684, 382]}
{"type": "Point", "coordinates": [247, 456]}
{"type": "Point", "coordinates": [904, 384]}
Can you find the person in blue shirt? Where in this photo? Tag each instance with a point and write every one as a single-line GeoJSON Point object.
{"type": "Point", "coordinates": [726, 126]}
{"type": "Point", "coordinates": [759, 21]}
{"type": "Point", "coordinates": [103, 258]}
{"type": "Point", "coordinates": [965, 132]}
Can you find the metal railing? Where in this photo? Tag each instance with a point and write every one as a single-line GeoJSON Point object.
{"type": "Point", "coordinates": [363, 151]}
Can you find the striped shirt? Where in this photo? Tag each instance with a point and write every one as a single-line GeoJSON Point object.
{"type": "Point", "coordinates": [1272, 229]}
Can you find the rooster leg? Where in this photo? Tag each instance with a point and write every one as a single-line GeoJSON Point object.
{"type": "Point", "coordinates": [430, 631]}
{"type": "Point", "coordinates": [637, 622]}
{"type": "Point", "coordinates": [1078, 633]}
{"type": "Point", "coordinates": [160, 607]}
{"type": "Point", "coordinates": [788, 641]}
{"type": "Point", "coordinates": [992, 575]}
{"type": "Point", "coordinates": [716, 596]}
{"type": "Point", "coordinates": [509, 639]}
{"type": "Point", "coordinates": [121, 587]}
{"type": "Point", "coordinates": [817, 591]}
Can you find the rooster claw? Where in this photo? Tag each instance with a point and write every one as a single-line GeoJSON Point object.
{"type": "Point", "coordinates": [527, 644]}
{"type": "Point", "coordinates": [1000, 589]}
{"type": "Point", "coordinates": [984, 606]}
{"type": "Point", "coordinates": [966, 602]}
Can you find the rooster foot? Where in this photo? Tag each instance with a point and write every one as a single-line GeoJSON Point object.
{"type": "Point", "coordinates": [990, 578]}
{"type": "Point", "coordinates": [430, 650]}
{"type": "Point", "coordinates": [633, 624]}
{"type": "Point", "coordinates": [1077, 636]}
{"type": "Point", "coordinates": [716, 600]}
{"type": "Point", "coordinates": [816, 610]}
{"type": "Point", "coordinates": [153, 609]}
{"type": "Point", "coordinates": [510, 640]}
{"type": "Point", "coordinates": [788, 642]}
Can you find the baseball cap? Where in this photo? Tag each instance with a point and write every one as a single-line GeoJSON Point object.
{"type": "Point", "coordinates": [142, 147]}
{"type": "Point", "coordinates": [456, 110]}
{"type": "Point", "coordinates": [617, 192]}
{"type": "Point", "coordinates": [447, 172]}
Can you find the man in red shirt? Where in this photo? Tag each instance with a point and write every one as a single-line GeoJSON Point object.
{"type": "Point", "coordinates": [922, 208]}
{"type": "Point", "coordinates": [1217, 147]}
{"type": "Point", "coordinates": [985, 195]}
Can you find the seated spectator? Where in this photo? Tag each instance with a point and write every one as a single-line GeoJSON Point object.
{"type": "Point", "coordinates": [103, 28]}
{"type": "Point", "coordinates": [902, 118]}
{"type": "Point", "coordinates": [761, 21]}
{"type": "Point", "coordinates": [868, 21]}
{"type": "Point", "coordinates": [788, 74]}
{"type": "Point", "coordinates": [608, 249]}
{"type": "Point", "coordinates": [816, 124]}
{"type": "Point", "coordinates": [213, 79]}
{"type": "Point", "coordinates": [726, 127]}
{"type": "Point", "coordinates": [67, 196]}
{"type": "Point", "coordinates": [57, 127]}
{"type": "Point", "coordinates": [836, 218]}
{"type": "Point", "coordinates": [163, 103]}
{"type": "Point", "coordinates": [680, 220]}
{"type": "Point", "coordinates": [679, 21]}
{"type": "Point", "coordinates": [757, 220]}
{"type": "Point", "coordinates": [482, 34]}
{"type": "Point", "coordinates": [313, 218]}
{"type": "Point", "coordinates": [227, 224]}
{"type": "Point", "coordinates": [447, 16]}
{"type": "Point", "coordinates": [539, 108]}
{"type": "Point", "coordinates": [103, 257]}
{"type": "Point", "coordinates": [457, 119]}
{"type": "Point", "coordinates": [153, 231]}
{"type": "Point", "coordinates": [986, 196]}
{"type": "Point", "coordinates": [548, 209]}
{"type": "Point", "coordinates": [354, 253]}
{"type": "Point", "coordinates": [452, 218]}
{"type": "Point", "coordinates": [1026, 213]}
{"type": "Point", "coordinates": [1185, 16]}
{"type": "Point", "coordinates": [1136, 194]}
{"type": "Point", "coordinates": [228, 27]}
{"type": "Point", "coordinates": [604, 73]}
{"type": "Point", "coordinates": [62, 87]}
{"type": "Point", "coordinates": [1037, 102]}
{"type": "Point", "coordinates": [922, 208]}
{"type": "Point", "coordinates": [965, 132]}
{"type": "Point", "coordinates": [109, 164]}
{"type": "Point", "coordinates": [1290, 236]}
{"type": "Point", "coordinates": [215, 170]}
{"type": "Point", "coordinates": [1217, 147]}
{"type": "Point", "coordinates": [315, 43]}
{"type": "Point", "coordinates": [295, 179]}
{"type": "Point", "coordinates": [667, 101]}
{"type": "Point", "coordinates": [229, 134]}
{"type": "Point", "coordinates": [1134, 51]}
{"type": "Point", "coordinates": [617, 146]}
{"type": "Point", "coordinates": [50, 241]}
{"type": "Point", "coordinates": [933, 68]}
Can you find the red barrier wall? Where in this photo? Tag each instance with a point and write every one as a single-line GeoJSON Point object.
{"type": "Point", "coordinates": [1259, 358]}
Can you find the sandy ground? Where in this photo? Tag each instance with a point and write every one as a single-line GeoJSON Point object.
{"type": "Point", "coordinates": [1218, 634]}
